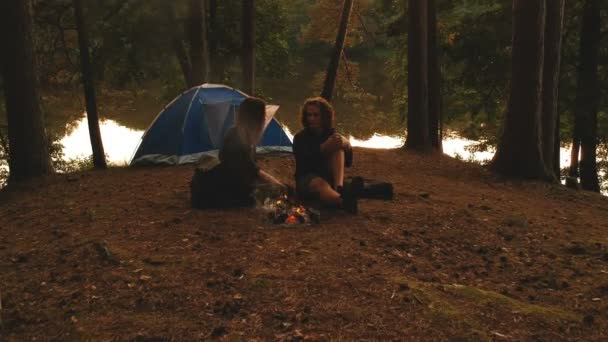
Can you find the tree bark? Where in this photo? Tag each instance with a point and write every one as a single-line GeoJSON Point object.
{"type": "Point", "coordinates": [574, 153]}
{"type": "Point", "coordinates": [99, 156]}
{"type": "Point", "coordinates": [519, 151]}
{"type": "Point", "coordinates": [176, 41]}
{"type": "Point", "coordinates": [418, 83]}
{"type": "Point", "coordinates": [435, 98]}
{"type": "Point", "coordinates": [248, 53]}
{"type": "Point", "coordinates": [552, 58]}
{"type": "Point", "coordinates": [587, 95]}
{"type": "Point", "coordinates": [332, 68]}
{"type": "Point", "coordinates": [28, 146]}
{"type": "Point", "coordinates": [206, 53]}
{"type": "Point", "coordinates": [556, 147]}
{"type": "Point", "coordinates": [196, 28]}
{"type": "Point", "coordinates": [217, 74]}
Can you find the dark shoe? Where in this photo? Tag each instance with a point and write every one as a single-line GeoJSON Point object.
{"type": "Point", "coordinates": [378, 190]}
{"type": "Point", "coordinates": [372, 189]}
{"type": "Point", "coordinates": [357, 185]}
{"type": "Point", "coordinates": [354, 186]}
{"type": "Point", "coordinates": [349, 203]}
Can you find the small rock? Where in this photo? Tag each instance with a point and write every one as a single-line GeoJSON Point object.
{"type": "Point", "coordinates": [576, 250]}
{"type": "Point", "coordinates": [404, 287]}
{"type": "Point", "coordinates": [219, 331]}
{"type": "Point", "coordinates": [102, 249]}
{"type": "Point", "coordinates": [588, 320]}
{"type": "Point", "coordinates": [144, 277]}
{"type": "Point", "coordinates": [153, 262]}
{"type": "Point", "coordinates": [20, 258]}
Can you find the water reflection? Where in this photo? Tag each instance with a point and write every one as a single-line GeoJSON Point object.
{"type": "Point", "coordinates": [378, 141]}
{"type": "Point", "coordinates": [119, 141]}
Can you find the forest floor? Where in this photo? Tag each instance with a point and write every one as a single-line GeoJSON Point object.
{"type": "Point", "coordinates": [459, 254]}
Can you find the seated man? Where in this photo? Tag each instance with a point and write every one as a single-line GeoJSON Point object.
{"type": "Point", "coordinates": [321, 155]}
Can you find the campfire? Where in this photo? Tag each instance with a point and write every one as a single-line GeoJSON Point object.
{"type": "Point", "coordinates": [285, 212]}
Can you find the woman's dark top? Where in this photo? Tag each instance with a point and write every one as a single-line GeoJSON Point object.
{"type": "Point", "coordinates": [238, 159]}
{"type": "Point", "coordinates": [309, 159]}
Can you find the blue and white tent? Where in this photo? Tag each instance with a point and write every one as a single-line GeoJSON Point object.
{"type": "Point", "coordinates": [194, 124]}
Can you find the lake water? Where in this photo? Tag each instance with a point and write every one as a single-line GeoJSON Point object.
{"type": "Point", "coordinates": [120, 143]}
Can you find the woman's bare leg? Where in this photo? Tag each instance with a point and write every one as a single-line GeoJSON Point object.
{"type": "Point", "coordinates": [327, 195]}
{"type": "Point", "coordinates": [336, 167]}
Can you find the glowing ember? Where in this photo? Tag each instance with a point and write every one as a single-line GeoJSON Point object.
{"type": "Point", "coordinates": [284, 212]}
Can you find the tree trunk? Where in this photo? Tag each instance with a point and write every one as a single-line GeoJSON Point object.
{"type": "Point", "coordinates": [248, 54]}
{"type": "Point", "coordinates": [206, 54]}
{"type": "Point", "coordinates": [418, 87]}
{"type": "Point", "coordinates": [176, 41]}
{"type": "Point", "coordinates": [219, 67]}
{"type": "Point", "coordinates": [556, 147]}
{"type": "Point", "coordinates": [332, 68]}
{"type": "Point", "coordinates": [553, 44]}
{"type": "Point", "coordinates": [574, 153]}
{"type": "Point", "coordinates": [28, 146]}
{"type": "Point", "coordinates": [519, 151]}
{"type": "Point", "coordinates": [99, 156]}
{"type": "Point", "coordinates": [434, 79]}
{"type": "Point", "coordinates": [587, 95]}
{"type": "Point", "coordinates": [196, 29]}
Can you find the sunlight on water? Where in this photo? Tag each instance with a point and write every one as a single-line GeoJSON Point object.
{"type": "Point", "coordinates": [378, 141]}
{"type": "Point", "coordinates": [119, 142]}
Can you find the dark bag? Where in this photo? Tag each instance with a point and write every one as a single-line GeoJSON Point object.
{"type": "Point", "coordinates": [375, 189]}
{"type": "Point", "coordinates": [211, 187]}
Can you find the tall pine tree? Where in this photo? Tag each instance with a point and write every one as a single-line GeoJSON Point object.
{"type": "Point", "coordinates": [418, 136]}
{"type": "Point", "coordinates": [587, 100]}
{"type": "Point", "coordinates": [519, 152]}
{"type": "Point", "coordinates": [28, 147]}
{"type": "Point", "coordinates": [99, 157]}
{"type": "Point", "coordinates": [332, 68]}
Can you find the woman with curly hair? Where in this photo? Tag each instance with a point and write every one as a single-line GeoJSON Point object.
{"type": "Point", "coordinates": [321, 156]}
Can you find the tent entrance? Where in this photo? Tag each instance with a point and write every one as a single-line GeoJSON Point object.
{"type": "Point", "coordinates": [218, 118]}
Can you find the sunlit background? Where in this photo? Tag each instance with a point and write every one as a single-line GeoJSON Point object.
{"type": "Point", "coordinates": [120, 143]}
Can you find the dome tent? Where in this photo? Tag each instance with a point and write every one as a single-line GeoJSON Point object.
{"type": "Point", "coordinates": [194, 124]}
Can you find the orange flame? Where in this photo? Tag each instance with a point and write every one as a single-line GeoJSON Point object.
{"type": "Point", "coordinates": [291, 219]}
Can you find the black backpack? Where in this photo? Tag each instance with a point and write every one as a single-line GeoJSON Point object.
{"type": "Point", "coordinates": [211, 187]}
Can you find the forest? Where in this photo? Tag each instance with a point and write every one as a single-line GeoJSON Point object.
{"type": "Point", "coordinates": [509, 248]}
{"type": "Point", "coordinates": [146, 52]}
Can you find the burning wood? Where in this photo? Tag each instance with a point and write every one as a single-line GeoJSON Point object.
{"type": "Point", "coordinates": [285, 212]}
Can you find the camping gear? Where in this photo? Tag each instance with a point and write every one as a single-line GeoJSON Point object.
{"type": "Point", "coordinates": [373, 189]}
{"type": "Point", "coordinates": [211, 187]}
{"type": "Point", "coordinates": [194, 124]}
